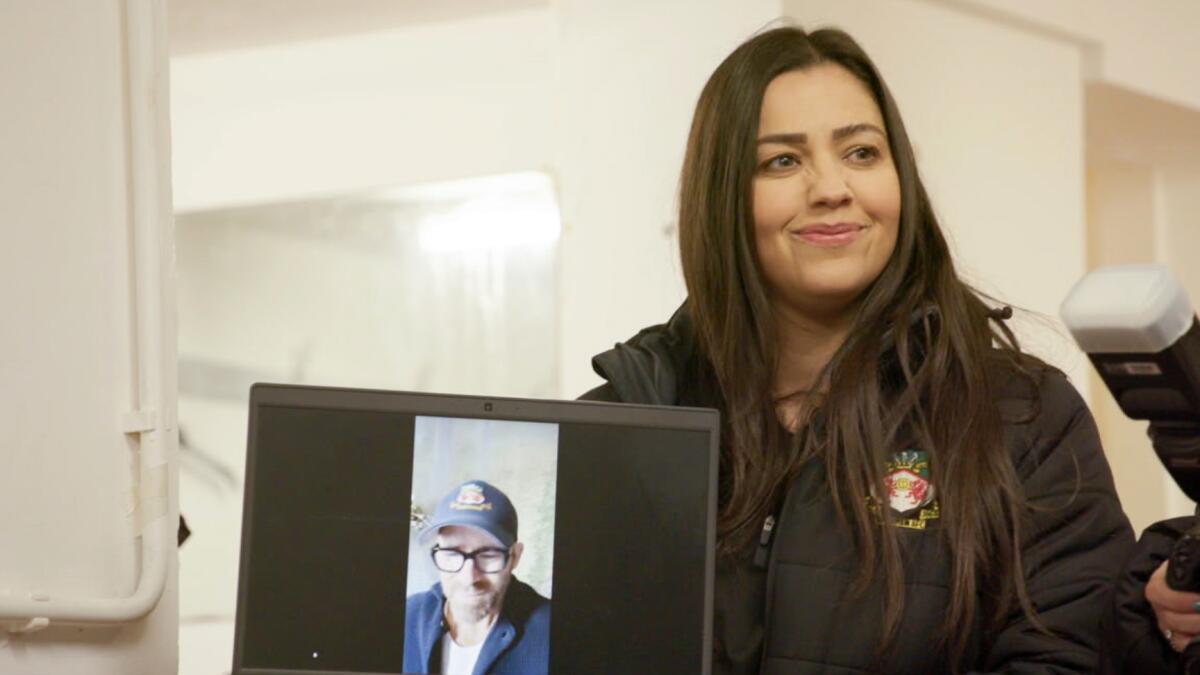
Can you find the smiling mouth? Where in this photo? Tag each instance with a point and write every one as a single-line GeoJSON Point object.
{"type": "Point", "coordinates": [828, 235]}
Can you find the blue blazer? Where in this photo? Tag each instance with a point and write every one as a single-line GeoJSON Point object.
{"type": "Point", "coordinates": [519, 643]}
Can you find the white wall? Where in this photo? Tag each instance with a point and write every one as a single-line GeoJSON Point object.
{"type": "Point", "coordinates": [1179, 195]}
{"type": "Point", "coordinates": [430, 102]}
{"type": "Point", "coordinates": [1145, 47]}
{"type": "Point", "coordinates": [78, 181]}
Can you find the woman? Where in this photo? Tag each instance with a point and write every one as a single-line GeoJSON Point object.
{"type": "Point", "coordinates": [901, 489]}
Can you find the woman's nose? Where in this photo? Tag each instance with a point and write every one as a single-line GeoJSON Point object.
{"type": "Point", "coordinates": [828, 189]}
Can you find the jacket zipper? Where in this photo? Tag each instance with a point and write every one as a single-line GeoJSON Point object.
{"type": "Point", "coordinates": [767, 551]}
{"type": "Point", "coordinates": [763, 552]}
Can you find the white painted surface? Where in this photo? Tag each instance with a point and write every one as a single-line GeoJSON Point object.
{"type": "Point", "coordinates": [1180, 203]}
{"type": "Point", "coordinates": [85, 342]}
{"type": "Point", "coordinates": [220, 25]}
{"type": "Point", "coordinates": [1146, 47]}
{"type": "Point", "coordinates": [432, 102]}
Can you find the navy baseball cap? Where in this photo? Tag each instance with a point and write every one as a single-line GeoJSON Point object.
{"type": "Point", "coordinates": [477, 504]}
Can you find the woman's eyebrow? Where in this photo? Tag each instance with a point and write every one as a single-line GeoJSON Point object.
{"type": "Point", "coordinates": [838, 134]}
{"type": "Point", "coordinates": [850, 130]}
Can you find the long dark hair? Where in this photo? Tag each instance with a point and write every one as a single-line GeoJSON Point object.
{"type": "Point", "coordinates": [917, 368]}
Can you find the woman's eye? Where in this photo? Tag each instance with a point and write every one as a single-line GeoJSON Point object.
{"type": "Point", "coordinates": [781, 162]}
{"type": "Point", "coordinates": [864, 153]}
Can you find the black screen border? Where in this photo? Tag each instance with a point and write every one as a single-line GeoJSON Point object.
{"type": "Point", "coordinates": [474, 407]}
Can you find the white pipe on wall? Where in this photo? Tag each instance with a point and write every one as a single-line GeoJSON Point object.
{"type": "Point", "coordinates": [153, 424]}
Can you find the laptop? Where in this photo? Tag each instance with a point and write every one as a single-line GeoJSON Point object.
{"type": "Point", "coordinates": [593, 530]}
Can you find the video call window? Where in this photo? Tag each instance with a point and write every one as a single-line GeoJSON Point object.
{"type": "Point", "coordinates": [481, 545]}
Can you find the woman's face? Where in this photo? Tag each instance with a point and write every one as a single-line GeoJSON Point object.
{"type": "Point", "coordinates": [826, 195]}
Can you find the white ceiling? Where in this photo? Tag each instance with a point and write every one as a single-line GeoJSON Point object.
{"type": "Point", "coordinates": [214, 25]}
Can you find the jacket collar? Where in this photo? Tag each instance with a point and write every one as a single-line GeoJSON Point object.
{"type": "Point", "coordinates": [498, 639]}
{"type": "Point", "coordinates": [646, 368]}
{"type": "Point", "coordinates": [497, 642]}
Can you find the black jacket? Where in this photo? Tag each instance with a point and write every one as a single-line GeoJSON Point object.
{"type": "Point", "coordinates": [1136, 646]}
{"type": "Point", "coordinates": [1077, 538]}
{"type": "Point", "coordinates": [1135, 643]}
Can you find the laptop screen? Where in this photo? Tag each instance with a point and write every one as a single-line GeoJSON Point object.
{"type": "Point", "coordinates": [392, 532]}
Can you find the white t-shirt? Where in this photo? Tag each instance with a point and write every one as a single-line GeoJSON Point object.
{"type": "Point", "coordinates": [459, 660]}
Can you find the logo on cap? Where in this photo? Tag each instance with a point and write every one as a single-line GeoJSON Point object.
{"type": "Point", "coordinates": [471, 498]}
{"type": "Point", "coordinates": [478, 504]}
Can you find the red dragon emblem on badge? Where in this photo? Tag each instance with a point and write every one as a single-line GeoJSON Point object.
{"type": "Point", "coordinates": [907, 490]}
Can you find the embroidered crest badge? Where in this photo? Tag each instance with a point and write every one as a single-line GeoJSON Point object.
{"type": "Point", "coordinates": [471, 498]}
{"type": "Point", "coordinates": [910, 490]}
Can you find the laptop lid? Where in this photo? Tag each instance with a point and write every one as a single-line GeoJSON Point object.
{"type": "Point", "coordinates": [582, 533]}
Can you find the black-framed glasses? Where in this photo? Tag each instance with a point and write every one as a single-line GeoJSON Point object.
{"type": "Point", "coordinates": [487, 560]}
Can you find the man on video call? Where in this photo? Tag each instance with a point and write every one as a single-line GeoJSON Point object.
{"type": "Point", "coordinates": [478, 618]}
